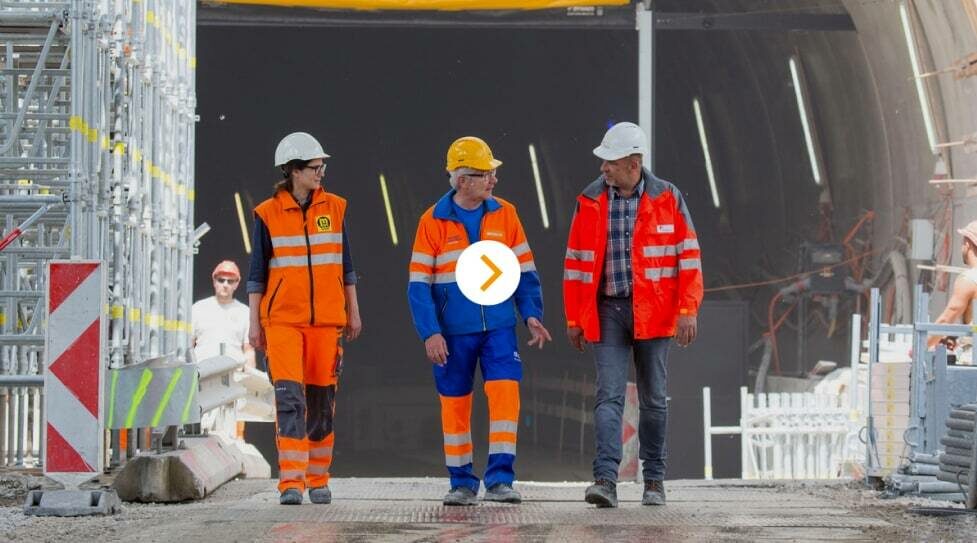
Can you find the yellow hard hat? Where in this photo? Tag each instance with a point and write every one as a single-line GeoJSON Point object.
{"type": "Point", "coordinates": [471, 152]}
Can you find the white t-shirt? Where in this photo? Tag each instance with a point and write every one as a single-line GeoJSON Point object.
{"type": "Point", "coordinates": [215, 323]}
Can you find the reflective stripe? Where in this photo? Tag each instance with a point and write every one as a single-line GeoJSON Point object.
{"type": "Point", "coordinates": [317, 259]}
{"type": "Point", "coordinates": [444, 277]}
{"type": "Point", "coordinates": [502, 447]}
{"type": "Point", "coordinates": [580, 254]}
{"type": "Point", "coordinates": [298, 456]}
{"type": "Point", "coordinates": [316, 469]}
{"type": "Point", "coordinates": [575, 275]}
{"type": "Point", "coordinates": [320, 452]}
{"type": "Point", "coordinates": [299, 241]}
{"type": "Point", "coordinates": [690, 264]}
{"type": "Point", "coordinates": [316, 239]}
{"type": "Point", "coordinates": [458, 439]}
{"type": "Point", "coordinates": [527, 266]}
{"type": "Point", "coordinates": [521, 249]}
{"type": "Point", "coordinates": [421, 258]}
{"type": "Point", "coordinates": [421, 277]}
{"type": "Point", "coordinates": [657, 273]}
{"type": "Point", "coordinates": [503, 426]}
{"type": "Point", "coordinates": [659, 250]}
{"type": "Point", "coordinates": [291, 474]}
{"type": "Point", "coordinates": [688, 245]}
{"type": "Point", "coordinates": [457, 460]}
{"type": "Point", "coordinates": [445, 258]}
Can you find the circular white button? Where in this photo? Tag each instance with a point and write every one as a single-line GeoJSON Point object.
{"type": "Point", "coordinates": [487, 272]}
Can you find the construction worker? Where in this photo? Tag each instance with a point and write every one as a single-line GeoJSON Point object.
{"type": "Point", "coordinates": [632, 281]}
{"type": "Point", "coordinates": [958, 307]}
{"type": "Point", "coordinates": [220, 323]}
{"type": "Point", "coordinates": [459, 334]}
{"type": "Point", "coordinates": [220, 327]}
{"type": "Point", "coordinates": [302, 294]}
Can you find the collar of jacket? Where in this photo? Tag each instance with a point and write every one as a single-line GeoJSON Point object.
{"type": "Point", "coordinates": [444, 210]}
{"type": "Point", "coordinates": [653, 186]}
{"type": "Point", "coordinates": [288, 201]}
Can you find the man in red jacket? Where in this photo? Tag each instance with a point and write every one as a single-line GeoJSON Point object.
{"type": "Point", "coordinates": [632, 281]}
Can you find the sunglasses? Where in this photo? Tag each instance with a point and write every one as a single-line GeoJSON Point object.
{"type": "Point", "coordinates": [226, 280]}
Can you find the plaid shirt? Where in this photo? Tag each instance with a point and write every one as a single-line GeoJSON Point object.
{"type": "Point", "coordinates": [620, 225]}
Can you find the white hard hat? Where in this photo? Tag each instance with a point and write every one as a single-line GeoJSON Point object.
{"type": "Point", "coordinates": [298, 146]}
{"type": "Point", "coordinates": [621, 140]}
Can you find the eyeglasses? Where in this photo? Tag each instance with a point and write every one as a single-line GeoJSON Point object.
{"type": "Point", "coordinates": [226, 280]}
{"type": "Point", "coordinates": [485, 174]}
{"type": "Point", "coordinates": [318, 169]}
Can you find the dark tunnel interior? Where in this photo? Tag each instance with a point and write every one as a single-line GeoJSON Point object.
{"type": "Point", "coordinates": [390, 100]}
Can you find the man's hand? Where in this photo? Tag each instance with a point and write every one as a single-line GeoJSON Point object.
{"type": "Point", "coordinates": [687, 329]}
{"type": "Point", "coordinates": [353, 325]}
{"type": "Point", "coordinates": [437, 349]}
{"type": "Point", "coordinates": [575, 334]}
{"type": "Point", "coordinates": [538, 331]}
{"type": "Point", "coordinates": [256, 336]}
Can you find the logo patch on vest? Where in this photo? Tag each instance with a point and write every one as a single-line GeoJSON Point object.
{"type": "Point", "coordinates": [491, 234]}
{"type": "Point", "coordinates": [666, 228]}
{"type": "Point", "coordinates": [323, 223]}
{"type": "Point", "coordinates": [454, 239]}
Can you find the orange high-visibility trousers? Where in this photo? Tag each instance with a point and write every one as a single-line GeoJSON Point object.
{"type": "Point", "coordinates": [304, 362]}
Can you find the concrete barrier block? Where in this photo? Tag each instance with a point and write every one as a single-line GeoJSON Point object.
{"type": "Point", "coordinates": [189, 473]}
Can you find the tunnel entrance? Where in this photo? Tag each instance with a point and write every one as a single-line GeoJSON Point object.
{"type": "Point", "coordinates": [386, 99]}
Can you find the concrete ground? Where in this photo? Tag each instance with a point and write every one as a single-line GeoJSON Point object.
{"type": "Point", "coordinates": [410, 510]}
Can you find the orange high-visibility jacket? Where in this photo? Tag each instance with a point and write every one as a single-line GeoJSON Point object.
{"type": "Point", "coordinates": [436, 303]}
{"type": "Point", "coordinates": [665, 261]}
{"type": "Point", "coordinates": [305, 272]}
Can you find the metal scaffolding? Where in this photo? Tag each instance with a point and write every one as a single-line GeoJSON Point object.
{"type": "Point", "coordinates": [97, 113]}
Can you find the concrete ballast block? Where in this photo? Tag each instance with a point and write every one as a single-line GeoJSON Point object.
{"type": "Point", "coordinates": [190, 473]}
{"type": "Point", "coordinates": [72, 503]}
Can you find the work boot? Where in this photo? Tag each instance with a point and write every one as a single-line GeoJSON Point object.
{"type": "Point", "coordinates": [320, 495]}
{"type": "Point", "coordinates": [502, 493]}
{"type": "Point", "coordinates": [291, 496]}
{"type": "Point", "coordinates": [460, 495]}
{"type": "Point", "coordinates": [654, 493]}
{"type": "Point", "coordinates": [602, 493]}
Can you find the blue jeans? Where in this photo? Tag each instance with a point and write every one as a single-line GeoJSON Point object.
{"type": "Point", "coordinates": [613, 355]}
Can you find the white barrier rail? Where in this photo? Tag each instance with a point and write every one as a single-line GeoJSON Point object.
{"type": "Point", "coordinates": [785, 435]}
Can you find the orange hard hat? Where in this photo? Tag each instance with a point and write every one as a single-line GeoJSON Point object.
{"type": "Point", "coordinates": [226, 267]}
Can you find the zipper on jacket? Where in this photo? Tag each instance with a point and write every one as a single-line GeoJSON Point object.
{"type": "Point", "coordinates": [272, 300]}
{"type": "Point", "coordinates": [308, 253]}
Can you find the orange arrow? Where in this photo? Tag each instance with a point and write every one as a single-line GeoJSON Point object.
{"type": "Point", "coordinates": [496, 273]}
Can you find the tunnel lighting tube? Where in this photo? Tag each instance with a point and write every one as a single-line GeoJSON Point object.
{"type": "Point", "coordinates": [924, 103]}
{"type": "Point", "coordinates": [808, 136]}
{"type": "Point", "coordinates": [539, 187]}
{"type": "Point", "coordinates": [244, 226]}
{"type": "Point", "coordinates": [705, 151]}
{"type": "Point", "coordinates": [390, 213]}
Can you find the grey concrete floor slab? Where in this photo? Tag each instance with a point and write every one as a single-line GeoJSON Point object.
{"type": "Point", "coordinates": [410, 510]}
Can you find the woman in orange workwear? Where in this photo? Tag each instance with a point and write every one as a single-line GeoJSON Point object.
{"type": "Point", "coordinates": [302, 294]}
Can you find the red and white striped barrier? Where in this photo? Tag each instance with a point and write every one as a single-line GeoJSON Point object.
{"type": "Point", "coordinates": [74, 372]}
{"type": "Point", "coordinates": [630, 468]}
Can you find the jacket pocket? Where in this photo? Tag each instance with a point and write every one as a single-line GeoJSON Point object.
{"type": "Point", "coordinates": [271, 301]}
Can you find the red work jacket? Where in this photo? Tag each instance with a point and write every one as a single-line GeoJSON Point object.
{"type": "Point", "coordinates": [665, 261]}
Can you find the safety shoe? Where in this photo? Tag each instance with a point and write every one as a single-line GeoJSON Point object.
{"type": "Point", "coordinates": [291, 496]}
{"type": "Point", "coordinates": [602, 493]}
{"type": "Point", "coordinates": [654, 493]}
{"type": "Point", "coordinates": [320, 495]}
{"type": "Point", "coordinates": [460, 495]}
{"type": "Point", "coordinates": [502, 493]}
